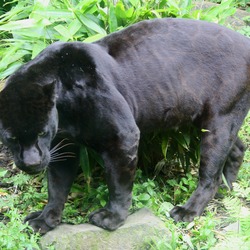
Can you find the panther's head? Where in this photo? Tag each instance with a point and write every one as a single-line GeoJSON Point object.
{"type": "Point", "coordinates": [28, 123]}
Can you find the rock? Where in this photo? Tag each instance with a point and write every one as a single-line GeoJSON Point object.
{"type": "Point", "coordinates": [234, 227]}
{"type": "Point", "coordinates": [233, 242]}
{"type": "Point", "coordinates": [140, 230]}
{"type": "Point", "coordinates": [232, 239]}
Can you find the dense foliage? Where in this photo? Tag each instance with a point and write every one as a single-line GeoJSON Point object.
{"type": "Point", "coordinates": [33, 24]}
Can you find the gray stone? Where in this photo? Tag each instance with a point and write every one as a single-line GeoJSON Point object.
{"type": "Point", "coordinates": [140, 230]}
{"type": "Point", "coordinates": [234, 227]}
{"type": "Point", "coordinates": [231, 239]}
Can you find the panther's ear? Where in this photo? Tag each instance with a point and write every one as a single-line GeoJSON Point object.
{"type": "Point", "coordinates": [49, 90]}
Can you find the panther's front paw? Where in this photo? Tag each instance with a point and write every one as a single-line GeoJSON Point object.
{"type": "Point", "coordinates": [32, 216]}
{"type": "Point", "coordinates": [107, 219]}
{"type": "Point", "coordinates": [43, 221]}
{"type": "Point", "coordinates": [40, 226]}
{"type": "Point", "coordinates": [182, 214]}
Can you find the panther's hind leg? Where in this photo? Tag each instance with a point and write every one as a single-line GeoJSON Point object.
{"type": "Point", "coordinates": [233, 162]}
{"type": "Point", "coordinates": [216, 145]}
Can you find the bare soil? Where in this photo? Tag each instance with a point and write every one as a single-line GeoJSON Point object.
{"type": "Point", "coordinates": [6, 163]}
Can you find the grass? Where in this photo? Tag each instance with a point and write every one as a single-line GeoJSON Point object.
{"type": "Point", "coordinates": [31, 26]}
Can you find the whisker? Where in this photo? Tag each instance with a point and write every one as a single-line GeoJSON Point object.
{"type": "Point", "coordinates": [56, 148]}
{"type": "Point", "coordinates": [59, 146]}
{"type": "Point", "coordinates": [56, 155]}
{"type": "Point", "coordinates": [63, 157]}
{"type": "Point", "coordinates": [53, 159]}
{"type": "Point", "coordinates": [56, 160]}
{"type": "Point", "coordinates": [63, 153]}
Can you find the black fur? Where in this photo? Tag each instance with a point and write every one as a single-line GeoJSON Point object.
{"type": "Point", "coordinates": [33, 102]}
{"type": "Point", "coordinates": [151, 76]}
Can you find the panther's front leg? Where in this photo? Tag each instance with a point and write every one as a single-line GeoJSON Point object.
{"type": "Point", "coordinates": [61, 175]}
{"type": "Point", "coordinates": [120, 164]}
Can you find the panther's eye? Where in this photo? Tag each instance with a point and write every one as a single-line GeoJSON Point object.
{"type": "Point", "coordinates": [12, 139]}
{"type": "Point", "coordinates": [42, 134]}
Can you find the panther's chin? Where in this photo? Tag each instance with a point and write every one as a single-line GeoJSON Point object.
{"type": "Point", "coordinates": [32, 170]}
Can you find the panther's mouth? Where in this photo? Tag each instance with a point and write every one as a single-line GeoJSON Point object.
{"type": "Point", "coordinates": [32, 170]}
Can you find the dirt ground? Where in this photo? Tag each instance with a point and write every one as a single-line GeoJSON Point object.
{"type": "Point", "coordinates": [6, 163]}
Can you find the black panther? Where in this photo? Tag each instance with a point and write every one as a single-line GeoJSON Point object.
{"type": "Point", "coordinates": [153, 75]}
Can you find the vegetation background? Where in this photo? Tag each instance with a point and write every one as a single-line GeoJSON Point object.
{"type": "Point", "coordinates": [169, 161]}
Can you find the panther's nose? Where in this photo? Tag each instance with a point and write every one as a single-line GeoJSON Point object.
{"type": "Point", "coordinates": [31, 157]}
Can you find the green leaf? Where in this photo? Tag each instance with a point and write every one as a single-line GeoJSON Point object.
{"type": "Point", "coordinates": [173, 3]}
{"type": "Point", "coordinates": [187, 139]}
{"type": "Point", "coordinates": [13, 54]}
{"type": "Point", "coordinates": [135, 3]}
{"type": "Point", "coordinates": [190, 225]}
{"type": "Point", "coordinates": [203, 130]}
{"type": "Point", "coordinates": [129, 12]}
{"type": "Point", "coordinates": [52, 14]}
{"type": "Point", "coordinates": [184, 188]}
{"type": "Point", "coordinates": [37, 48]}
{"type": "Point", "coordinates": [155, 12]}
{"type": "Point", "coordinates": [74, 27]}
{"type": "Point", "coordinates": [179, 137]}
{"type": "Point", "coordinates": [84, 162]}
{"type": "Point", "coordinates": [93, 38]}
{"type": "Point", "coordinates": [3, 172]}
{"type": "Point", "coordinates": [225, 181]}
{"type": "Point", "coordinates": [112, 19]}
{"type": "Point", "coordinates": [65, 33]}
{"type": "Point", "coordinates": [87, 22]}
{"type": "Point", "coordinates": [16, 25]}
{"type": "Point", "coordinates": [164, 146]}
{"type": "Point", "coordinates": [11, 69]}
{"type": "Point", "coordinates": [87, 6]}
{"type": "Point", "coordinates": [144, 197]}
{"type": "Point", "coordinates": [150, 190]}
{"type": "Point", "coordinates": [185, 181]}
{"type": "Point", "coordinates": [103, 203]}
{"type": "Point", "coordinates": [187, 239]}
{"type": "Point", "coordinates": [120, 11]}
{"type": "Point", "coordinates": [165, 206]}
